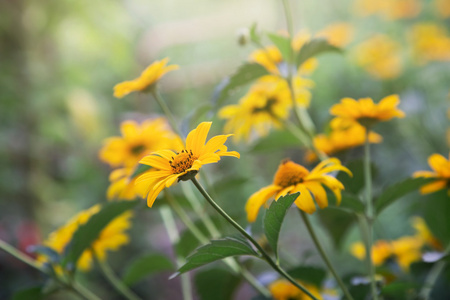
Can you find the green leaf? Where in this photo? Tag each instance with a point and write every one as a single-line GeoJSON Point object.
{"type": "Point", "coordinates": [274, 219]}
{"type": "Point", "coordinates": [254, 35]}
{"type": "Point", "coordinates": [436, 208]}
{"type": "Point", "coordinates": [139, 170]}
{"type": "Point", "coordinates": [350, 203]}
{"type": "Point", "coordinates": [283, 44]}
{"type": "Point", "coordinates": [217, 284]}
{"type": "Point", "coordinates": [313, 48]}
{"type": "Point", "coordinates": [309, 274]}
{"type": "Point", "coordinates": [337, 222]}
{"type": "Point", "coordinates": [398, 190]}
{"type": "Point", "coordinates": [216, 250]}
{"type": "Point", "coordinates": [34, 293]}
{"type": "Point", "coordinates": [399, 290]}
{"type": "Point", "coordinates": [355, 183]}
{"type": "Point", "coordinates": [146, 265]}
{"type": "Point", "coordinates": [188, 242]}
{"type": "Point", "coordinates": [87, 233]}
{"type": "Point", "coordinates": [245, 74]}
{"type": "Point", "coordinates": [276, 141]}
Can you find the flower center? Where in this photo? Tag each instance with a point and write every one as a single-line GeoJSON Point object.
{"type": "Point", "coordinates": [136, 150]}
{"type": "Point", "coordinates": [182, 161]}
{"type": "Point", "coordinates": [289, 173]}
{"type": "Point", "coordinates": [267, 107]}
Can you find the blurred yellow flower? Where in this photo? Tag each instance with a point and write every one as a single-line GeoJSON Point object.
{"type": "Point", "coordinates": [430, 42]}
{"type": "Point", "coordinates": [299, 40]}
{"type": "Point", "coordinates": [291, 178]}
{"type": "Point", "coordinates": [121, 185]}
{"type": "Point", "coordinates": [380, 57]}
{"type": "Point", "coordinates": [389, 9]}
{"type": "Point", "coordinates": [265, 105]}
{"type": "Point", "coordinates": [111, 238]}
{"type": "Point", "coordinates": [168, 166]}
{"type": "Point", "coordinates": [340, 139]}
{"type": "Point", "coordinates": [338, 34]}
{"type": "Point", "coordinates": [425, 234]}
{"type": "Point", "coordinates": [407, 250]}
{"type": "Point", "coordinates": [365, 111]}
{"type": "Point", "coordinates": [442, 8]}
{"type": "Point", "coordinates": [282, 289]}
{"type": "Point", "coordinates": [441, 172]}
{"type": "Point", "coordinates": [381, 251]}
{"type": "Point", "coordinates": [137, 141]}
{"type": "Point", "coordinates": [148, 77]}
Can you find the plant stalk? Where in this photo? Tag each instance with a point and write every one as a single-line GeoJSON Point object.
{"type": "Point", "coordinates": [432, 277]}
{"type": "Point", "coordinates": [162, 104]}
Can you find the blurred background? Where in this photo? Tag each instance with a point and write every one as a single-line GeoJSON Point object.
{"type": "Point", "coordinates": [59, 61]}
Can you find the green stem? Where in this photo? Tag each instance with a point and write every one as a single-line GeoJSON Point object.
{"type": "Point", "coordinates": [369, 214]}
{"type": "Point", "coordinates": [323, 254]}
{"type": "Point", "coordinates": [159, 99]}
{"type": "Point", "coordinates": [20, 256]}
{"type": "Point", "coordinates": [432, 277]}
{"type": "Point", "coordinates": [263, 253]}
{"type": "Point", "coordinates": [82, 291]}
{"type": "Point", "coordinates": [289, 23]}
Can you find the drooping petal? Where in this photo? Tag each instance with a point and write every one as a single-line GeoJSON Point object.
{"type": "Point", "coordinates": [258, 199]}
{"type": "Point", "coordinates": [425, 174]}
{"type": "Point", "coordinates": [319, 193]}
{"type": "Point", "coordinates": [438, 163]}
{"type": "Point", "coordinates": [304, 201]}
{"type": "Point", "coordinates": [433, 187]}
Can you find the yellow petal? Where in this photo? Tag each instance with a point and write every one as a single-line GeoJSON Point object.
{"type": "Point", "coordinates": [319, 193]}
{"type": "Point", "coordinates": [305, 201]}
{"type": "Point", "coordinates": [156, 162]}
{"type": "Point", "coordinates": [197, 137]}
{"type": "Point", "coordinates": [257, 200]}
{"type": "Point", "coordinates": [433, 187]}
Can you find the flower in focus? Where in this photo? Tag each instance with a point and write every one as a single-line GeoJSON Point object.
{"type": "Point", "coordinates": [442, 8]}
{"type": "Point", "coordinates": [389, 9]}
{"type": "Point", "coordinates": [121, 184]}
{"type": "Point", "coordinates": [284, 290]}
{"type": "Point", "coordinates": [265, 105]}
{"type": "Point", "coordinates": [441, 172]}
{"type": "Point", "coordinates": [137, 141]}
{"type": "Point", "coordinates": [111, 238]}
{"type": "Point", "coordinates": [365, 111]}
{"type": "Point", "coordinates": [381, 251]}
{"type": "Point", "coordinates": [338, 34]}
{"type": "Point", "coordinates": [291, 178]}
{"type": "Point", "coordinates": [168, 166]}
{"type": "Point", "coordinates": [340, 139]}
{"type": "Point", "coordinates": [380, 57]}
{"type": "Point", "coordinates": [430, 42]}
{"type": "Point", "coordinates": [148, 77]}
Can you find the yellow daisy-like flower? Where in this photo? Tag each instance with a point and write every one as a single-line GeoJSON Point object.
{"type": "Point", "coordinates": [122, 186]}
{"type": "Point", "coordinates": [137, 141]}
{"type": "Point", "coordinates": [407, 250]}
{"type": "Point", "coordinates": [365, 111]}
{"type": "Point", "coordinates": [338, 34]}
{"type": "Point", "coordinates": [340, 139]}
{"type": "Point", "coordinates": [111, 238]}
{"type": "Point", "coordinates": [380, 57]}
{"type": "Point", "coordinates": [148, 77]}
{"type": "Point", "coordinates": [291, 178]}
{"type": "Point", "coordinates": [168, 166]}
{"type": "Point", "coordinates": [441, 172]}
{"type": "Point", "coordinates": [284, 290]}
{"type": "Point", "coordinates": [430, 42]}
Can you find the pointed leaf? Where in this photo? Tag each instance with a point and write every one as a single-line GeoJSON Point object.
{"type": "Point", "coordinates": [283, 44]}
{"type": "Point", "coordinates": [309, 274]}
{"type": "Point", "coordinates": [217, 284]}
{"type": "Point", "coordinates": [398, 190]}
{"type": "Point", "coordinates": [146, 265]}
{"type": "Point", "coordinates": [216, 250]}
{"type": "Point", "coordinates": [87, 233]}
{"type": "Point", "coordinates": [254, 35]}
{"type": "Point", "coordinates": [274, 219]}
{"type": "Point", "coordinates": [313, 48]}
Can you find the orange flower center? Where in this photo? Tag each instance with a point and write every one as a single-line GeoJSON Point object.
{"type": "Point", "coordinates": [289, 173]}
{"type": "Point", "coordinates": [182, 161]}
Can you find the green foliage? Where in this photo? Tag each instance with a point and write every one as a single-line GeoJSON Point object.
{"type": "Point", "coordinates": [254, 36]}
{"type": "Point", "coordinates": [313, 48]}
{"type": "Point", "coordinates": [350, 203]}
{"type": "Point", "coordinates": [436, 208]}
{"type": "Point", "coordinates": [216, 250]}
{"type": "Point", "coordinates": [283, 44]}
{"type": "Point", "coordinates": [274, 219]}
{"type": "Point", "coordinates": [399, 290]}
{"type": "Point", "coordinates": [275, 141]}
{"type": "Point", "coordinates": [87, 233]}
{"type": "Point", "coordinates": [355, 183]}
{"type": "Point", "coordinates": [336, 222]}
{"type": "Point", "coordinates": [216, 284]}
{"type": "Point", "coordinates": [309, 274]}
{"type": "Point", "coordinates": [34, 293]}
{"type": "Point", "coordinates": [146, 265]}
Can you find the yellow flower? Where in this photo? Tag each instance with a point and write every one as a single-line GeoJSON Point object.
{"type": "Point", "coordinates": [148, 77]}
{"type": "Point", "coordinates": [430, 42]}
{"type": "Point", "coordinates": [441, 172]}
{"type": "Point", "coordinates": [284, 290]}
{"type": "Point", "coordinates": [338, 34]}
{"type": "Point", "coordinates": [425, 234]}
{"type": "Point", "coordinates": [111, 238]}
{"type": "Point", "coordinates": [122, 185]}
{"type": "Point", "coordinates": [168, 167]}
{"type": "Point", "coordinates": [365, 111]}
{"type": "Point", "coordinates": [380, 57]}
{"type": "Point", "coordinates": [407, 250]}
{"type": "Point", "coordinates": [291, 178]}
{"type": "Point", "coordinates": [442, 8]}
{"type": "Point", "coordinates": [389, 9]}
{"type": "Point", "coordinates": [340, 139]}
{"type": "Point", "coordinates": [380, 252]}
{"type": "Point", "coordinates": [267, 103]}
{"type": "Point", "coordinates": [137, 141]}
{"type": "Point", "coordinates": [298, 42]}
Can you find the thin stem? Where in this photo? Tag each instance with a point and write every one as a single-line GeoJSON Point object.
{"type": "Point", "coordinates": [289, 23]}
{"type": "Point", "coordinates": [82, 291]}
{"type": "Point", "coordinates": [323, 254]}
{"type": "Point", "coordinates": [263, 253]}
{"type": "Point", "coordinates": [432, 277]}
{"type": "Point", "coordinates": [159, 99]}
{"type": "Point", "coordinates": [369, 214]}
{"type": "Point", "coordinates": [20, 256]}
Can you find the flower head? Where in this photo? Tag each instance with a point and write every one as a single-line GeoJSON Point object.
{"type": "Point", "coordinates": [148, 77]}
{"type": "Point", "coordinates": [365, 111]}
{"type": "Point", "coordinates": [441, 172]}
{"type": "Point", "coordinates": [381, 251]}
{"type": "Point", "coordinates": [169, 166]}
{"type": "Point", "coordinates": [137, 141]}
{"type": "Point", "coordinates": [111, 238]}
{"type": "Point", "coordinates": [291, 178]}
{"type": "Point", "coordinates": [430, 42]}
{"type": "Point", "coordinates": [284, 290]}
{"type": "Point", "coordinates": [122, 184]}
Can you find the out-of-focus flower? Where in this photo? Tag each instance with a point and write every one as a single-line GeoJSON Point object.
{"type": "Point", "coordinates": [407, 250]}
{"type": "Point", "coordinates": [430, 42]}
{"type": "Point", "coordinates": [122, 185]}
{"type": "Point", "coordinates": [148, 78]}
{"type": "Point", "coordinates": [381, 251]}
{"type": "Point", "coordinates": [284, 290]}
{"type": "Point", "coordinates": [298, 41]}
{"type": "Point", "coordinates": [111, 238]}
{"type": "Point", "coordinates": [338, 34]}
{"type": "Point", "coordinates": [137, 141]}
{"type": "Point", "coordinates": [365, 111]}
{"type": "Point", "coordinates": [380, 57]}
{"type": "Point", "coordinates": [442, 8]}
{"type": "Point", "coordinates": [425, 234]}
{"type": "Point", "coordinates": [340, 139]}
{"type": "Point", "coordinates": [291, 178]}
{"type": "Point", "coordinates": [441, 172]}
{"type": "Point", "coordinates": [169, 167]}
{"type": "Point", "coordinates": [389, 9]}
